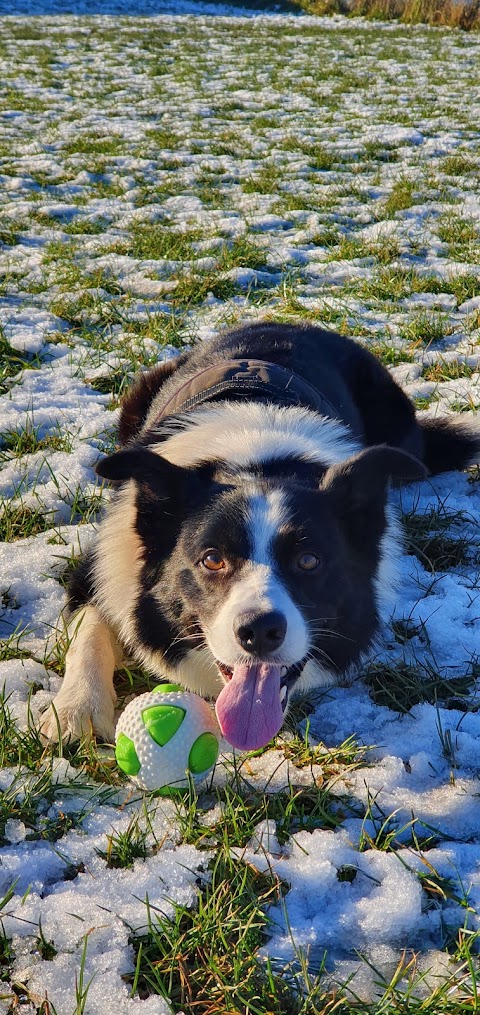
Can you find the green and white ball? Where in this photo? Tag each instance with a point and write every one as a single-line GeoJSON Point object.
{"type": "Point", "coordinates": [165, 737]}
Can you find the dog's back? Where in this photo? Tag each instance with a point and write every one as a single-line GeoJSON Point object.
{"type": "Point", "coordinates": [362, 390]}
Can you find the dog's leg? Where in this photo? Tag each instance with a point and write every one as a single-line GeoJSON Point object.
{"type": "Point", "coordinates": [86, 700]}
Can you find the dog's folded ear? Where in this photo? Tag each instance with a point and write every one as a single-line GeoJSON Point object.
{"type": "Point", "coordinates": [137, 463]}
{"type": "Point", "coordinates": [363, 478]}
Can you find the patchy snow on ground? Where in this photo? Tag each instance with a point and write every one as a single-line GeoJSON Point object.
{"type": "Point", "coordinates": [162, 177]}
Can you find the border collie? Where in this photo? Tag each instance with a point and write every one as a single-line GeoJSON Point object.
{"type": "Point", "coordinates": [249, 551]}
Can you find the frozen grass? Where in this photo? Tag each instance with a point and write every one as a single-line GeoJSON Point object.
{"type": "Point", "coordinates": [207, 172]}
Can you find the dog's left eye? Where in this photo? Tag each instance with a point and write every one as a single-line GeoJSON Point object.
{"type": "Point", "coordinates": [307, 561]}
{"type": "Point", "coordinates": [213, 560]}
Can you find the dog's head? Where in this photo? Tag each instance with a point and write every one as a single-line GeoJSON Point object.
{"type": "Point", "coordinates": [276, 568]}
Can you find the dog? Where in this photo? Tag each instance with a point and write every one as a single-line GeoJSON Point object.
{"type": "Point", "coordinates": [249, 550]}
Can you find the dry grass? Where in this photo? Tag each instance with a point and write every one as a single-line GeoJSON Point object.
{"type": "Point", "coordinates": [463, 14]}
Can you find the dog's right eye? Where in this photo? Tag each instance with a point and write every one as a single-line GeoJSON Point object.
{"type": "Point", "coordinates": [213, 560]}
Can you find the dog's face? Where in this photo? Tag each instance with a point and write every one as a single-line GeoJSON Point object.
{"type": "Point", "coordinates": [273, 570]}
{"type": "Point", "coordinates": [261, 568]}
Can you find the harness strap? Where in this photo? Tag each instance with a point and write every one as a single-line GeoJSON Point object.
{"type": "Point", "coordinates": [242, 378]}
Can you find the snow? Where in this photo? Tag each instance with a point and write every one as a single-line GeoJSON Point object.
{"type": "Point", "coordinates": [112, 900]}
{"type": "Point", "coordinates": [388, 106]}
{"type": "Point", "coordinates": [27, 331]}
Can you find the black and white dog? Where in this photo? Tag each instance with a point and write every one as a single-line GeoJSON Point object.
{"type": "Point", "coordinates": [250, 548]}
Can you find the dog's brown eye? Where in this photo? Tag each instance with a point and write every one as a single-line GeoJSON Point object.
{"type": "Point", "coordinates": [213, 560]}
{"type": "Point", "coordinates": [307, 562]}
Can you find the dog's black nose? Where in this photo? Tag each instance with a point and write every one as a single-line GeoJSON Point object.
{"type": "Point", "coordinates": [261, 633]}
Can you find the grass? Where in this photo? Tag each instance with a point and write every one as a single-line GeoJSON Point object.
{"type": "Point", "coordinates": [11, 647]}
{"type": "Point", "coordinates": [194, 288]}
{"type": "Point", "coordinates": [464, 286]}
{"type": "Point", "coordinates": [400, 686]}
{"type": "Point", "coordinates": [173, 959]}
{"type": "Point", "coordinates": [346, 756]}
{"type": "Point", "coordinates": [468, 404]}
{"type": "Point", "coordinates": [435, 540]}
{"type": "Point", "coordinates": [8, 235]}
{"type": "Point", "coordinates": [264, 182]}
{"type": "Point", "coordinates": [124, 848]}
{"type": "Point", "coordinates": [292, 811]}
{"type": "Point", "coordinates": [391, 283]}
{"type": "Point", "coordinates": [380, 151]}
{"type": "Point", "coordinates": [204, 960]}
{"type": "Point", "coordinates": [114, 383]}
{"type": "Point", "coordinates": [18, 521]}
{"type": "Point", "coordinates": [14, 443]}
{"type": "Point", "coordinates": [174, 328]}
{"type": "Point", "coordinates": [242, 252]}
{"type": "Point", "coordinates": [424, 328]}
{"type": "Point", "coordinates": [395, 283]}
{"type": "Point", "coordinates": [93, 144]}
{"type": "Point", "coordinates": [86, 227]}
{"type": "Point", "coordinates": [23, 751]}
{"type": "Point", "coordinates": [400, 198]}
{"type": "Point", "coordinates": [158, 241]}
{"type": "Point", "coordinates": [84, 506]}
{"type": "Point", "coordinates": [22, 748]}
{"type": "Point", "coordinates": [385, 250]}
{"type": "Point", "coordinates": [78, 307]}
{"type": "Point", "coordinates": [464, 15]}
{"type": "Point", "coordinates": [461, 236]}
{"type": "Point", "coordinates": [447, 370]}
{"type": "Point", "coordinates": [390, 355]}
{"type": "Point", "coordinates": [425, 401]}
{"type": "Point", "coordinates": [12, 363]}
{"type": "Point", "coordinates": [14, 99]}
{"type": "Point", "coordinates": [31, 806]}
{"type": "Point", "coordinates": [458, 164]}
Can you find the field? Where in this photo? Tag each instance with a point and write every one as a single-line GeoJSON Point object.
{"type": "Point", "coordinates": [160, 179]}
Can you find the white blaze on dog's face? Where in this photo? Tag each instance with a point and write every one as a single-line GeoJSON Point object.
{"type": "Point", "coordinates": [258, 632]}
{"type": "Point", "coordinates": [259, 590]}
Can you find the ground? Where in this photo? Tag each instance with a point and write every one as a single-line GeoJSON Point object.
{"type": "Point", "coordinates": [161, 178]}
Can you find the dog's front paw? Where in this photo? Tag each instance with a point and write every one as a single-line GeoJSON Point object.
{"type": "Point", "coordinates": [68, 718]}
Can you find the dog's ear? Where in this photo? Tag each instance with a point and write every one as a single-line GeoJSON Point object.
{"type": "Point", "coordinates": [138, 463]}
{"type": "Point", "coordinates": [363, 479]}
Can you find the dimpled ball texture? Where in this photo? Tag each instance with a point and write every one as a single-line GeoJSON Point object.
{"type": "Point", "coordinates": [165, 737]}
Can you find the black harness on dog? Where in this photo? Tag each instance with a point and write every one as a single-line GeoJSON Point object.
{"type": "Point", "coordinates": [242, 378]}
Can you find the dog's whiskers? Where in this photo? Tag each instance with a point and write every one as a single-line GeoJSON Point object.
{"type": "Point", "coordinates": [317, 655]}
{"type": "Point", "coordinates": [187, 636]}
{"type": "Point", "coordinates": [318, 628]}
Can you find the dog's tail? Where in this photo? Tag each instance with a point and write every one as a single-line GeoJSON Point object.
{"type": "Point", "coordinates": [449, 442]}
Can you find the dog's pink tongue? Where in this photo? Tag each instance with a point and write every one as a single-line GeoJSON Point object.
{"type": "Point", "coordinates": [248, 707]}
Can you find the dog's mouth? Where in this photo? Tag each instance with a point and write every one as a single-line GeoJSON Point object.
{"type": "Point", "coordinates": [251, 705]}
{"type": "Point", "coordinates": [226, 671]}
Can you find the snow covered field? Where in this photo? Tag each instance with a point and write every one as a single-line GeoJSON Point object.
{"type": "Point", "coordinates": [161, 178]}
